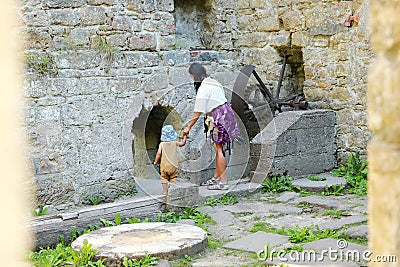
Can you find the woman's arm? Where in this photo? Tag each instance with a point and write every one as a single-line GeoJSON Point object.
{"type": "Point", "coordinates": [196, 116]}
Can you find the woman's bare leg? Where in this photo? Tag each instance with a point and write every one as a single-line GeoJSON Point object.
{"type": "Point", "coordinates": [220, 168]}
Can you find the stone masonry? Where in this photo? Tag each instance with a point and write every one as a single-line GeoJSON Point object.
{"type": "Point", "coordinates": [95, 66]}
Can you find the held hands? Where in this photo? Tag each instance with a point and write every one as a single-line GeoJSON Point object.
{"type": "Point", "coordinates": [186, 131]}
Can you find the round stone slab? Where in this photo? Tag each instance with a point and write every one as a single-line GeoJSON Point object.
{"type": "Point", "coordinates": [163, 240]}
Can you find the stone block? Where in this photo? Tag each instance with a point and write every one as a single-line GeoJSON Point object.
{"type": "Point", "coordinates": [143, 41]}
{"type": "Point", "coordinates": [92, 15]}
{"type": "Point", "coordinates": [155, 83]}
{"type": "Point", "coordinates": [123, 23]}
{"type": "Point", "coordinates": [149, 59]}
{"type": "Point", "coordinates": [65, 16]}
{"type": "Point", "coordinates": [80, 37]}
{"type": "Point", "coordinates": [37, 18]}
{"type": "Point", "coordinates": [181, 193]}
{"type": "Point", "coordinates": [64, 3]}
{"type": "Point", "coordinates": [119, 40]}
{"type": "Point", "coordinates": [127, 84]}
{"type": "Point", "coordinates": [165, 5]}
{"type": "Point", "coordinates": [102, 2]}
{"type": "Point", "coordinates": [78, 60]}
{"type": "Point", "coordinates": [167, 43]}
{"type": "Point", "coordinates": [89, 110]}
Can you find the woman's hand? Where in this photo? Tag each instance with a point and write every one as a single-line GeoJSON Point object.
{"type": "Point", "coordinates": [186, 131]}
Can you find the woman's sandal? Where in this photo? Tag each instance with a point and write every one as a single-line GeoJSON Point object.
{"type": "Point", "coordinates": [218, 186]}
{"type": "Point", "coordinates": [212, 181]}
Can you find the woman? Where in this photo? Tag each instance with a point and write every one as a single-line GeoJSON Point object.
{"type": "Point", "coordinates": [211, 100]}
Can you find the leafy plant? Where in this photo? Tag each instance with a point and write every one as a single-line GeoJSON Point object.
{"type": "Point", "coordinates": [188, 213]}
{"type": "Point", "coordinates": [212, 242]}
{"type": "Point", "coordinates": [107, 223]}
{"type": "Point", "coordinates": [131, 192]}
{"type": "Point", "coordinates": [334, 213]}
{"type": "Point", "coordinates": [223, 200]}
{"type": "Point", "coordinates": [316, 178]}
{"type": "Point", "coordinates": [136, 220]}
{"type": "Point", "coordinates": [106, 50]}
{"type": "Point", "coordinates": [186, 261]}
{"type": "Point", "coordinates": [307, 234]}
{"type": "Point", "coordinates": [95, 200]}
{"type": "Point", "coordinates": [278, 184]}
{"type": "Point", "coordinates": [63, 255]}
{"type": "Point", "coordinates": [356, 173]}
{"type": "Point", "coordinates": [40, 211]}
{"type": "Point", "coordinates": [146, 261]}
{"type": "Point", "coordinates": [336, 190]}
{"type": "Point", "coordinates": [43, 64]}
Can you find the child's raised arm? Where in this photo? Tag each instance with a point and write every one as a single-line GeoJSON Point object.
{"type": "Point", "coordinates": [183, 142]}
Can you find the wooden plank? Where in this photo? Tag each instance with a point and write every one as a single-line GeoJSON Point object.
{"type": "Point", "coordinates": [47, 229]}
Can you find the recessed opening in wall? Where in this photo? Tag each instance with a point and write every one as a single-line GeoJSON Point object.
{"type": "Point", "coordinates": [195, 20]}
{"type": "Point", "coordinates": [158, 117]}
{"type": "Point", "coordinates": [294, 73]}
{"type": "Point", "coordinates": [147, 133]}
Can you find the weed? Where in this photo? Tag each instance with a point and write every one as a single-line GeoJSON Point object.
{"type": "Point", "coordinates": [106, 50]}
{"type": "Point", "coordinates": [316, 178]}
{"type": "Point", "coordinates": [278, 184]}
{"type": "Point", "coordinates": [40, 211]}
{"type": "Point", "coordinates": [188, 213]}
{"type": "Point", "coordinates": [356, 174]}
{"type": "Point", "coordinates": [212, 242]}
{"type": "Point", "coordinates": [146, 261]}
{"type": "Point", "coordinates": [265, 227]}
{"type": "Point", "coordinates": [304, 193]}
{"type": "Point", "coordinates": [95, 200]}
{"type": "Point", "coordinates": [63, 255]}
{"type": "Point", "coordinates": [131, 192]}
{"type": "Point", "coordinates": [107, 223]}
{"type": "Point", "coordinates": [137, 220]}
{"type": "Point", "coordinates": [307, 234]}
{"type": "Point", "coordinates": [256, 218]}
{"type": "Point", "coordinates": [223, 200]}
{"type": "Point", "coordinates": [304, 205]}
{"type": "Point", "coordinates": [186, 261]}
{"type": "Point", "coordinates": [42, 64]}
{"type": "Point", "coordinates": [334, 213]}
{"type": "Point", "coordinates": [336, 190]}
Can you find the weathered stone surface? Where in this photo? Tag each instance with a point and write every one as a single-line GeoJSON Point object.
{"type": "Point", "coordinates": [67, 16]}
{"type": "Point", "coordinates": [360, 231]}
{"type": "Point", "coordinates": [318, 201]}
{"type": "Point", "coordinates": [258, 241]}
{"type": "Point", "coordinates": [287, 196]}
{"type": "Point", "coordinates": [143, 42]}
{"type": "Point", "coordinates": [337, 224]}
{"type": "Point", "coordinates": [319, 186]}
{"type": "Point", "coordinates": [165, 240]}
{"type": "Point", "coordinates": [295, 143]}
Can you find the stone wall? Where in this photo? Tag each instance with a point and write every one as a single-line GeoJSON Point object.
{"type": "Point", "coordinates": [95, 66]}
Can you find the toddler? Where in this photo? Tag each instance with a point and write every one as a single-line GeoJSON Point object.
{"type": "Point", "coordinates": [167, 152]}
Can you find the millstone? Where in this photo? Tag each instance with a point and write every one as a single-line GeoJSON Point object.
{"type": "Point", "coordinates": [164, 240]}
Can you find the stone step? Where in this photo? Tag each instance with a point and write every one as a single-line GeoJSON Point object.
{"type": "Point", "coordinates": [319, 186]}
